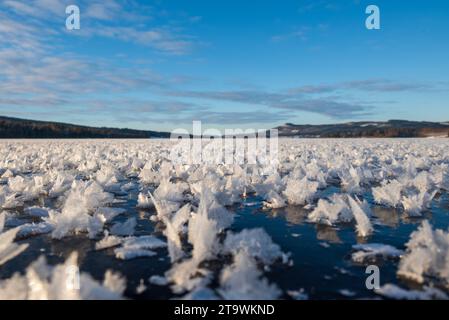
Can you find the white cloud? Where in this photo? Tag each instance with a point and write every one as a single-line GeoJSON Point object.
{"type": "Point", "coordinates": [123, 21]}
{"type": "Point", "coordinates": [36, 71]}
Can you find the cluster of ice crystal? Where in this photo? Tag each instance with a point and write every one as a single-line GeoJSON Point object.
{"type": "Point", "coordinates": [133, 247]}
{"type": "Point", "coordinates": [242, 281]}
{"type": "Point", "coordinates": [368, 253]}
{"type": "Point", "coordinates": [61, 282]}
{"type": "Point", "coordinates": [427, 256]}
{"type": "Point", "coordinates": [392, 291]}
{"type": "Point", "coordinates": [8, 248]}
{"type": "Point", "coordinates": [205, 230]}
{"type": "Point", "coordinates": [77, 212]}
{"type": "Point", "coordinates": [75, 188]}
{"type": "Point", "coordinates": [344, 209]}
{"type": "Point", "coordinates": [414, 196]}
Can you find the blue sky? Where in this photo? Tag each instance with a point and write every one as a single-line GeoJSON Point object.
{"type": "Point", "coordinates": [158, 65]}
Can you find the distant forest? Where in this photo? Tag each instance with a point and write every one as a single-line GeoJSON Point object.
{"type": "Point", "coordinates": [31, 129]}
{"type": "Point", "coordinates": [388, 129]}
{"type": "Point", "coordinates": [14, 128]}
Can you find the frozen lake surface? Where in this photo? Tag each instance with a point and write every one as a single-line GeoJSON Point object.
{"type": "Point", "coordinates": [145, 228]}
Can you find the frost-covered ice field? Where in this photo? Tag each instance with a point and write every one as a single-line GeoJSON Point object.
{"type": "Point", "coordinates": [139, 227]}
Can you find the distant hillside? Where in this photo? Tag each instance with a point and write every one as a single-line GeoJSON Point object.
{"type": "Point", "coordinates": [31, 129]}
{"type": "Point", "coordinates": [389, 129]}
{"type": "Point", "coordinates": [20, 128]}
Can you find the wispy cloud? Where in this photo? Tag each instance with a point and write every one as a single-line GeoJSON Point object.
{"type": "Point", "coordinates": [300, 33]}
{"type": "Point", "coordinates": [36, 71]}
{"type": "Point", "coordinates": [105, 10]}
{"type": "Point", "coordinates": [285, 100]}
{"type": "Point", "coordinates": [373, 85]}
{"type": "Point", "coordinates": [24, 75]}
{"type": "Point", "coordinates": [121, 20]}
{"type": "Point", "coordinates": [159, 38]}
{"type": "Point", "coordinates": [330, 108]}
{"type": "Point", "coordinates": [332, 100]}
{"type": "Point", "coordinates": [209, 117]}
{"type": "Point", "coordinates": [306, 6]}
{"type": "Point", "coordinates": [38, 8]}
